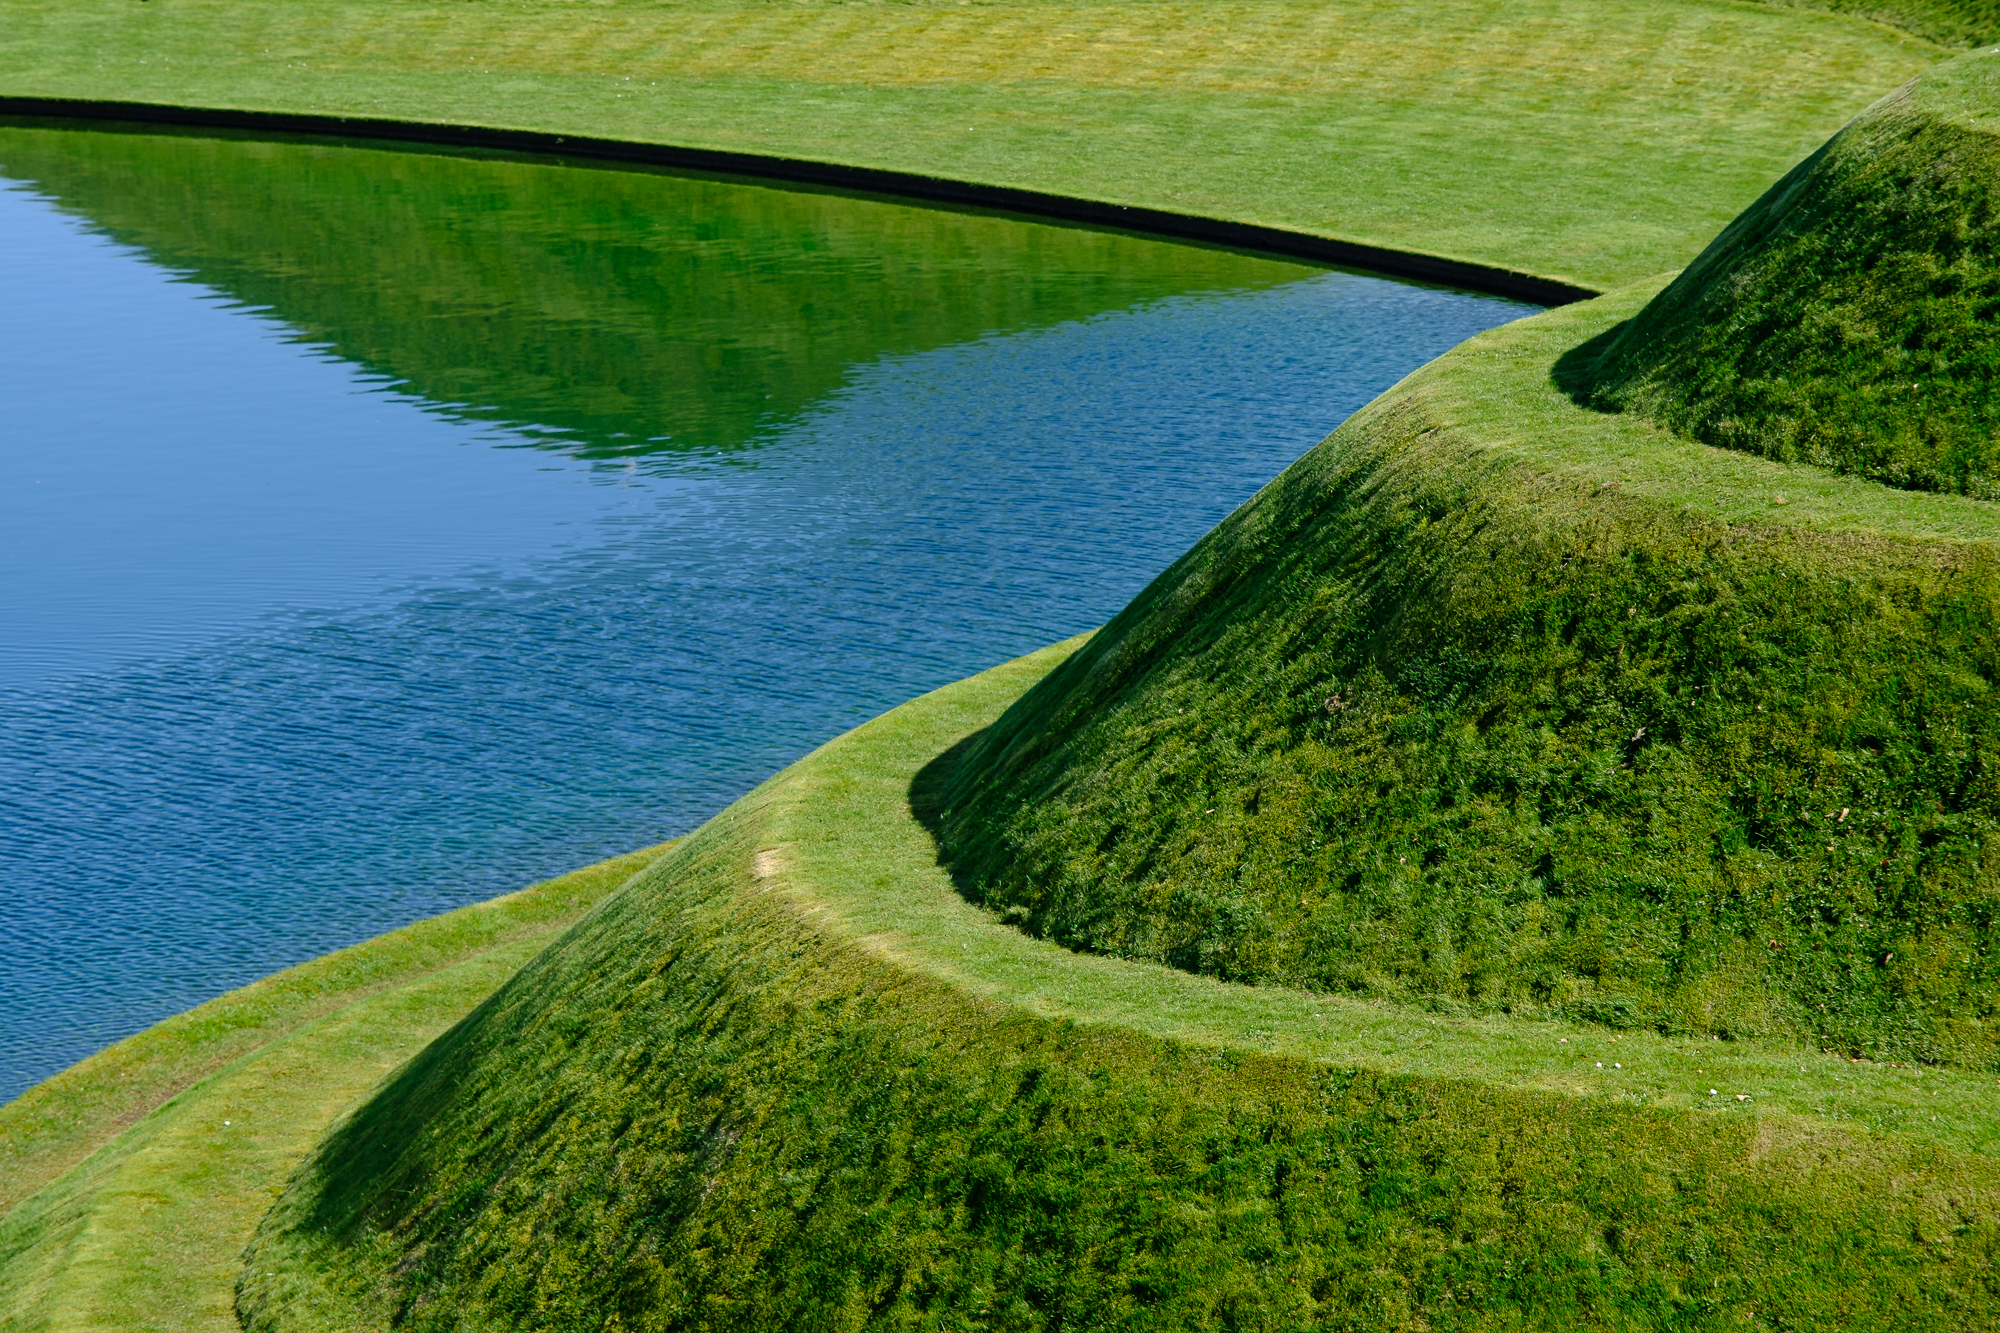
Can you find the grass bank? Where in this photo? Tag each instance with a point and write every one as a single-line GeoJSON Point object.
{"type": "Point", "coordinates": [1503, 702]}
{"type": "Point", "coordinates": [1591, 141]}
{"type": "Point", "coordinates": [1847, 318]}
{"type": "Point", "coordinates": [790, 1078]}
{"type": "Point", "coordinates": [130, 1183]}
{"type": "Point", "coordinates": [1500, 701]}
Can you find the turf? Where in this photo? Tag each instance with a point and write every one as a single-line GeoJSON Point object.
{"type": "Point", "coordinates": [125, 1198]}
{"type": "Point", "coordinates": [1594, 141]}
{"type": "Point", "coordinates": [1847, 318]}
{"type": "Point", "coordinates": [1962, 24]}
{"type": "Point", "coordinates": [789, 1078]}
{"type": "Point", "coordinates": [763, 1088]}
{"type": "Point", "coordinates": [1505, 704]}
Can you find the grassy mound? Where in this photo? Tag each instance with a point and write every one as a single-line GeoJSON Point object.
{"type": "Point", "coordinates": [790, 1079]}
{"type": "Point", "coordinates": [1848, 318]}
{"type": "Point", "coordinates": [1501, 702]}
{"type": "Point", "coordinates": [1961, 24]}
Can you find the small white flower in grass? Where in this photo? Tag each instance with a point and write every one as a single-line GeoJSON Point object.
{"type": "Point", "coordinates": [1711, 1092]}
{"type": "Point", "coordinates": [1600, 1064]}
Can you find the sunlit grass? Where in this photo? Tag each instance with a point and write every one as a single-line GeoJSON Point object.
{"type": "Point", "coordinates": [135, 1178]}
{"type": "Point", "coordinates": [779, 1075]}
{"type": "Point", "coordinates": [844, 844]}
{"type": "Point", "coordinates": [1590, 140]}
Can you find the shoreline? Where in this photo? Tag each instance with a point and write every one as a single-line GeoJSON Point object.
{"type": "Point", "coordinates": [1414, 265]}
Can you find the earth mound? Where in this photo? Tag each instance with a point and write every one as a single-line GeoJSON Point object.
{"type": "Point", "coordinates": [1437, 716]}
{"type": "Point", "coordinates": [1850, 318]}
{"type": "Point", "coordinates": [788, 1079]}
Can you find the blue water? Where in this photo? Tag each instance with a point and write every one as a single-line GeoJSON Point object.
{"type": "Point", "coordinates": [291, 654]}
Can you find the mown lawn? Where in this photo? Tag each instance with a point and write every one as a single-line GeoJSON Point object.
{"type": "Point", "coordinates": [1591, 142]}
{"type": "Point", "coordinates": [1596, 141]}
{"type": "Point", "coordinates": [130, 1183]}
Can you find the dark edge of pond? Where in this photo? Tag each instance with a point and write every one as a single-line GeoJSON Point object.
{"type": "Point", "coordinates": [1239, 235]}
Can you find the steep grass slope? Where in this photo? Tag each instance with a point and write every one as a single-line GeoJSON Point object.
{"type": "Point", "coordinates": [130, 1183]}
{"type": "Point", "coordinates": [1851, 317]}
{"type": "Point", "coordinates": [791, 1080]}
{"type": "Point", "coordinates": [1426, 720]}
{"type": "Point", "coordinates": [1595, 141]}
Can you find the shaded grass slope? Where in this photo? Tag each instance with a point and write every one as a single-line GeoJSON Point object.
{"type": "Point", "coordinates": [130, 1182]}
{"type": "Point", "coordinates": [790, 1079]}
{"type": "Point", "coordinates": [1508, 705]}
{"type": "Point", "coordinates": [1850, 318]}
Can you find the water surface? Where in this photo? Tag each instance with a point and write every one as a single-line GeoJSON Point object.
{"type": "Point", "coordinates": [381, 530]}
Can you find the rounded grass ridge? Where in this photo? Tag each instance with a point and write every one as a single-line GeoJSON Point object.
{"type": "Point", "coordinates": [789, 1079]}
{"type": "Point", "coordinates": [1850, 318]}
{"type": "Point", "coordinates": [1508, 705]}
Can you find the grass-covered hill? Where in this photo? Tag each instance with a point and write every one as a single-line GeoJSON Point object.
{"type": "Point", "coordinates": [1962, 24]}
{"type": "Point", "coordinates": [789, 1079]}
{"type": "Point", "coordinates": [130, 1183]}
{"type": "Point", "coordinates": [1425, 721]}
{"type": "Point", "coordinates": [1851, 317]}
{"type": "Point", "coordinates": [1541, 746]}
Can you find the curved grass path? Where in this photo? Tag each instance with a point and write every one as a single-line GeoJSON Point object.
{"type": "Point", "coordinates": [1590, 143]}
{"type": "Point", "coordinates": [1587, 141]}
{"type": "Point", "coordinates": [811, 919]}
{"type": "Point", "coordinates": [845, 851]}
{"type": "Point", "coordinates": [843, 844]}
{"type": "Point", "coordinates": [130, 1183]}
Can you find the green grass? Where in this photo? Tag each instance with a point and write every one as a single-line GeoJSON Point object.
{"type": "Point", "coordinates": [125, 1198]}
{"type": "Point", "coordinates": [1595, 141]}
{"type": "Point", "coordinates": [1508, 705]}
{"type": "Point", "coordinates": [1962, 24]}
{"type": "Point", "coordinates": [1495, 715]}
{"type": "Point", "coordinates": [1847, 318]}
{"type": "Point", "coordinates": [790, 1078]}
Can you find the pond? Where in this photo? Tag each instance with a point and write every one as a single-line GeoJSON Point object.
{"type": "Point", "coordinates": [383, 530]}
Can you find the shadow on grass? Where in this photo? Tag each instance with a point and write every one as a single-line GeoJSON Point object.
{"type": "Point", "coordinates": [928, 790]}
{"type": "Point", "coordinates": [1575, 372]}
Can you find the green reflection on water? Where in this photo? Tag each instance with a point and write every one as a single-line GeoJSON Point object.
{"type": "Point", "coordinates": [630, 311]}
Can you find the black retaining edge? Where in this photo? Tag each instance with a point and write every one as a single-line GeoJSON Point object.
{"type": "Point", "coordinates": [875, 180]}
